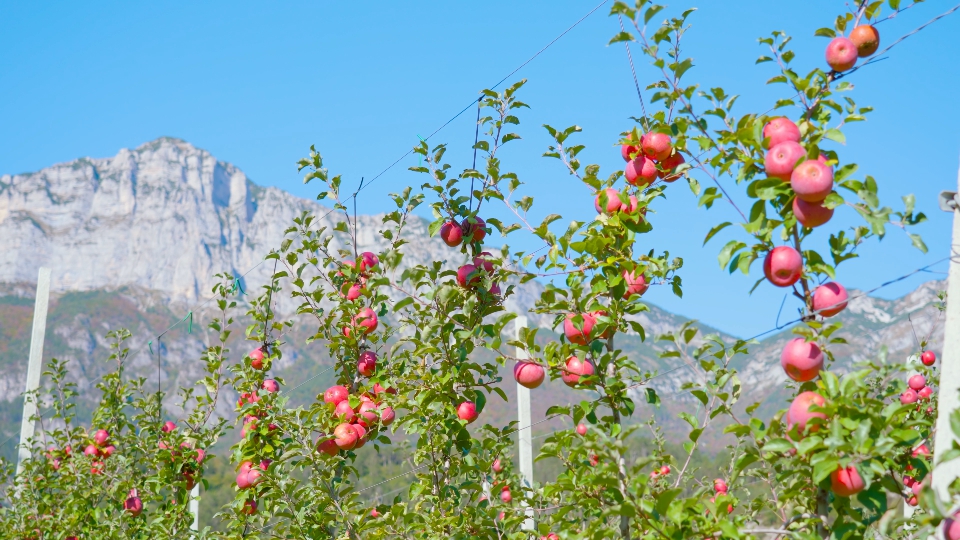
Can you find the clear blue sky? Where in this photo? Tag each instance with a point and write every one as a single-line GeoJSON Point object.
{"type": "Point", "coordinates": [257, 83]}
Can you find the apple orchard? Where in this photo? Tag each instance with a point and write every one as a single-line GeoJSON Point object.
{"type": "Point", "coordinates": [418, 349]}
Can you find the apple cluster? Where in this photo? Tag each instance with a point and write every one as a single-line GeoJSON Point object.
{"type": "Point", "coordinates": [357, 423]}
{"type": "Point", "coordinates": [842, 52]}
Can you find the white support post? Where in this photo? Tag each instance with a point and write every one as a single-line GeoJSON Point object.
{"type": "Point", "coordinates": [524, 435]}
{"type": "Point", "coordinates": [945, 473]}
{"type": "Point", "coordinates": [34, 365]}
{"type": "Point", "coordinates": [195, 507]}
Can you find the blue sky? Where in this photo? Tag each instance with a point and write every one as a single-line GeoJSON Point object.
{"type": "Point", "coordinates": [257, 83]}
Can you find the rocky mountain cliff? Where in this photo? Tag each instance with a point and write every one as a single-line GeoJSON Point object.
{"type": "Point", "coordinates": [135, 240]}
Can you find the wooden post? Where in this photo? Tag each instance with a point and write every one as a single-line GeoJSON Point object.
{"type": "Point", "coordinates": [945, 473]}
{"type": "Point", "coordinates": [524, 435]}
{"type": "Point", "coordinates": [34, 365]}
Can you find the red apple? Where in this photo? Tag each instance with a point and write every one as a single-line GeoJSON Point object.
{"type": "Point", "coordinates": [612, 204]}
{"type": "Point", "coordinates": [908, 397]}
{"type": "Point", "coordinates": [594, 460]}
{"type": "Point", "coordinates": [574, 369]}
{"type": "Point", "coordinates": [387, 416]}
{"type": "Point", "coordinates": [578, 333]}
{"type": "Point", "coordinates": [801, 360]}
{"type": "Point", "coordinates": [633, 207]}
{"type": "Point", "coordinates": [497, 466]}
{"type": "Point", "coordinates": [841, 54]}
{"type": "Point", "coordinates": [374, 514]}
{"type": "Point", "coordinates": [345, 411]}
{"type": "Point", "coordinates": [91, 451]}
{"type": "Point", "coordinates": [641, 171]}
{"type": "Point", "coordinates": [350, 291]}
{"type": "Point", "coordinates": [345, 436]}
{"type": "Point", "coordinates": [451, 233]}
{"type": "Point", "coordinates": [951, 527]}
{"type": "Point", "coordinates": [96, 468]}
{"type": "Point", "coordinates": [133, 505]}
{"type": "Point", "coordinates": [917, 382]}
{"type": "Point", "coordinates": [100, 437]}
{"type": "Point", "coordinates": [921, 450]}
{"type": "Point", "coordinates": [720, 485]}
{"type": "Point", "coordinates": [327, 445]}
{"type": "Point", "coordinates": [366, 320]}
{"type": "Point", "coordinates": [108, 450]}
{"type": "Point", "coordinates": [475, 230]}
{"type": "Point", "coordinates": [636, 284]}
{"type": "Point", "coordinates": [811, 214]}
{"type": "Point", "coordinates": [361, 436]}
{"type": "Point", "coordinates": [271, 386]}
{"type": "Point", "coordinates": [368, 261]}
{"type": "Point", "coordinates": [670, 164]}
{"type": "Point", "coordinates": [468, 276]}
{"type": "Point", "coordinates": [781, 129]}
{"type": "Point", "coordinates": [782, 159]}
{"type": "Point", "coordinates": [812, 180]}
{"type": "Point", "coordinates": [925, 393]}
{"type": "Point", "coordinates": [484, 262]}
{"type": "Point", "coordinates": [505, 496]}
{"type": "Point", "coordinates": [846, 481]}
{"type": "Point", "coordinates": [799, 413]}
{"type": "Point", "coordinates": [928, 358]}
{"type": "Point", "coordinates": [866, 38]}
{"type": "Point", "coordinates": [783, 266]}
{"type": "Point", "coordinates": [656, 145]}
{"type": "Point", "coordinates": [467, 411]}
{"type": "Point", "coordinates": [249, 508]}
{"type": "Point", "coordinates": [168, 426]}
{"type": "Point", "coordinates": [256, 358]}
{"type": "Point", "coordinates": [628, 151]}
{"type": "Point", "coordinates": [829, 299]}
{"type": "Point", "coordinates": [368, 413]}
{"type": "Point", "coordinates": [665, 470]}
{"type": "Point", "coordinates": [528, 374]}
{"type": "Point", "coordinates": [581, 429]}
{"type": "Point", "coordinates": [367, 365]}
{"type": "Point", "coordinates": [336, 394]}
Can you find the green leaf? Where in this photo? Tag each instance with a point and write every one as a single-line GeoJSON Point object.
{"type": "Point", "coordinates": [653, 10]}
{"type": "Point", "coordinates": [715, 230]}
{"type": "Point", "coordinates": [825, 32]}
{"type": "Point", "coordinates": [777, 445]}
{"type": "Point", "coordinates": [917, 242]}
{"type": "Point", "coordinates": [665, 498]}
{"type": "Point", "coordinates": [836, 135]}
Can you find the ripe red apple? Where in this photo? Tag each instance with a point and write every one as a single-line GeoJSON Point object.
{"type": "Point", "coordinates": [96, 468]}
{"type": "Point", "coordinates": [581, 429]}
{"type": "Point", "coordinates": [641, 171]}
{"type": "Point", "coordinates": [781, 160]}
{"type": "Point", "coordinates": [917, 382]}
{"type": "Point", "coordinates": [468, 276]}
{"type": "Point", "coordinates": [100, 437]}
{"type": "Point", "coordinates": [781, 129]}
{"type": "Point", "coordinates": [670, 164]}
{"type": "Point", "coordinates": [366, 320]}
{"type": "Point", "coordinates": [256, 358]}
{"type": "Point", "coordinates": [921, 450]}
{"type": "Point", "coordinates": [336, 394]}
{"type": "Point", "coordinates": [812, 180]}
{"type": "Point", "coordinates": [594, 460]}
{"type": "Point", "coordinates": [609, 329]}
{"type": "Point", "coordinates": [665, 470]}
{"type": "Point", "coordinates": [361, 436]}
{"type": "Point", "coordinates": [484, 262]}
{"type": "Point", "coordinates": [168, 426]}
{"type": "Point", "coordinates": [846, 481]}
{"type": "Point", "coordinates": [801, 360]}
{"type": "Point", "coordinates": [829, 299]}
{"type": "Point", "coordinates": [636, 284]}
{"type": "Point", "coordinates": [528, 374]}
{"type": "Point", "coordinates": [249, 507]}
{"type": "Point", "coordinates": [720, 485]}
{"type": "Point", "coordinates": [368, 261]}
{"type": "Point", "coordinates": [451, 233]}
{"type": "Point", "coordinates": [350, 291]}
{"type": "Point", "coordinates": [657, 146]}
{"type": "Point", "coordinates": [633, 207]}
{"type": "Point", "coordinates": [612, 204]}
{"type": "Point", "coordinates": [811, 214]}
{"type": "Point", "coordinates": [387, 416]}
{"type": "Point", "coordinates": [133, 505]}
{"type": "Point", "coordinates": [345, 436]}
{"type": "Point", "coordinates": [91, 451]}
{"type": "Point", "coordinates": [367, 365]}
{"type": "Point", "coordinates": [497, 466]}
{"type": "Point", "coordinates": [799, 412]}
{"type": "Point", "coordinates": [345, 411]}
{"type": "Point", "coordinates": [374, 514]}
{"type": "Point", "coordinates": [841, 54]}
{"type": "Point", "coordinates": [866, 38]}
{"type": "Point", "coordinates": [928, 358]}
{"type": "Point", "coordinates": [951, 527]}
{"type": "Point", "coordinates": [574, 369]}
{"type": "Point", "coordinates": [108, 450]}
{"type": "Point", "coordinates": [327, 445]}
{"type": "Point", "coordinates": [628, 151]}
{"type": "Point", "coordinates": [368, 413]}
{"type": "Point", "coordinates": [378, 388]}
{"type": "Point", "coordinates": [578, 333]}
{"type": "Point", "coordinates": [475, 230]}
{"type": "Point", "coordinates": [551, 536]}
{"type": "Point", "coordinates": [505, 496]}
{"type": "Point", "coordinates": [925, 393]}
{"type": "Point", "coordinates": [908, 397]}
{"type": "Point", "coordinates": [467, 411]}
{"type": "Point", "coordinates": [783, 266]}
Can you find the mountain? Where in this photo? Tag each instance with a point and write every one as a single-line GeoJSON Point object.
{"type": "Point", "coordinates": [136, 239]}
